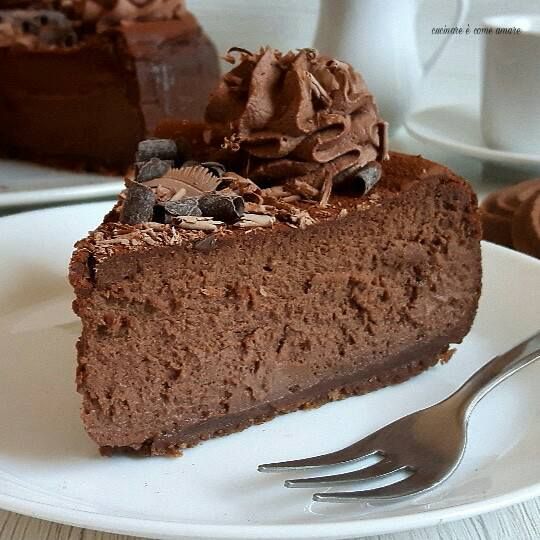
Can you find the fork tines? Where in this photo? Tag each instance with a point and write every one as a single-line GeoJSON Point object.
{"type": "Point", "coordinates": [385, 467]}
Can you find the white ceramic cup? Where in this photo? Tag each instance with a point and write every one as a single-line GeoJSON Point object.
{"type": "Point", "coordinates": [378, 37]}
{"type": "Point", "coordinates": [510, 109]}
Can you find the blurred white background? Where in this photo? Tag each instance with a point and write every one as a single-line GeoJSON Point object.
{"type": "Point", "coordinates": [455, 79]}
{"type": "Point", "coordinates": [288, 24]}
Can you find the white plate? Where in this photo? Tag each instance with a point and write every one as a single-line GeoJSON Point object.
{"type": "Point", "coordinates": [24, 184]}
{"type": "Point", "coordinates": [50, 469]}
{"type": "Point", "coordinates": [457, 127]}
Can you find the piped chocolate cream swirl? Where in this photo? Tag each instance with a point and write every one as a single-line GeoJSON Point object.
{"type": "Point", "coordinates": [299, 115]}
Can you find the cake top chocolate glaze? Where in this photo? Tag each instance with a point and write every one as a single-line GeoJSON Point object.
{"type": "Point", "coordinates": [296, 115]}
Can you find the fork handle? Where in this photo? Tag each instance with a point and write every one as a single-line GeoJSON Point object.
{"type": "Point", "coordinates": [495, 372]}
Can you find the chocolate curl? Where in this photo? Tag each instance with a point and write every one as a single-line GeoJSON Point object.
{"type": "Point", "coordinates": [365, 177]}
{"type": "Point", "coordinates": [227, 208]}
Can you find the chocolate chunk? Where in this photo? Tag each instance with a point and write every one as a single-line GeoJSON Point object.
{"type": "Point", "coordinates": [187, 206]}
{"type": "Point", "coordinates": [217, 169]}
{"type": "Point", "coordinates": [164, 149]}
{"type": "Point", "coordinates": [227, 208]}
{"type": "Point", "coordinates": [139, 204]}
{"type": "Point", "coordinates": [154, 168]}
{"type": "Point", "coordinates": [370, 174]}
{"type": "Point", "coordinates": [206, 245]}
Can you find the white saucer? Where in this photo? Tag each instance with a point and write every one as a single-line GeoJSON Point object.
{"type": "Point", "coordinates": [457, 127]}
{"type": "Point", "coordinates": [50, 469]}
{"type": "Point", "coordinates": [24, 184]}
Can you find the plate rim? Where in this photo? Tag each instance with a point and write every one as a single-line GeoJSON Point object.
{"type": "Point", "coordinates": [85, 188]}
{"type": "Point", "coordinates": [175, 529]}
{"type": "Point", "coordinates": [172, 529]}
{"type": "Point", "coordinates": [418, 130]}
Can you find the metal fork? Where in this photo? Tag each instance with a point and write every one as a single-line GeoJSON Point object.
{"type": "Point", "coordinates": [428, 444]}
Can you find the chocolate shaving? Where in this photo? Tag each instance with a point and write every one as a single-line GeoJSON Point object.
{"type": "Point", "coordinates": [383, 140]}
{"type": "Point", "coordinates": [164, 149]}
{"type": "Point", "coordinates": [275, 191]}
{"type": "Point", "coordinates": [249, 221]}
{"type": "Point", "coordinates": [196, 223]}
{"type": "Point", "coordinates": [229, 57]}
{"type": "Point", "coordinates": [300, 187]}
{"type": "Point", "coordinates": [311, 53]}
{"type": "Point", "coordinates": [318, 90]}
{"type": "Point", "coordinates": [291, 198]}
{"type": "Point", "coordinates": [303, 219]}
{"type": "Point", "coordinates": [154, 168]}
{"type": "Point", "coordinates": [227, 208]}
{"type": "Point", "coordinates": [249, 190]}
{"type": "Point", "coordinates": [231, 143]}
{"type": "Point", "coordinates": [326, 191]}
{"type": "Point", "coordinates": [138, 206]}
{"type": "Point", "coordinates": [255, 208]}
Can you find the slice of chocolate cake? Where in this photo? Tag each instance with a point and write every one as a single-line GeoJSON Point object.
{"type": "Point", "coordinates": [83, 82]}
{"type": "Point", "coordinates": [211, 301]}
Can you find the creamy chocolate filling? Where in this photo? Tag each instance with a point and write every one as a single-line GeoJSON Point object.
{"type": "Point", "coordinates": [395, 370]}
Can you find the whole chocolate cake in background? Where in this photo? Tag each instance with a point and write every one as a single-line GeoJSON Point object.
{"type": "Point", "coordinates": [83, 81]}
{"type": "Point", "coordinates": [294, 262]}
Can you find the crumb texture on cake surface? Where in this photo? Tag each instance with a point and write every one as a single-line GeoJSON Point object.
{"type": "Point", "coordinates": [180, 344]}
